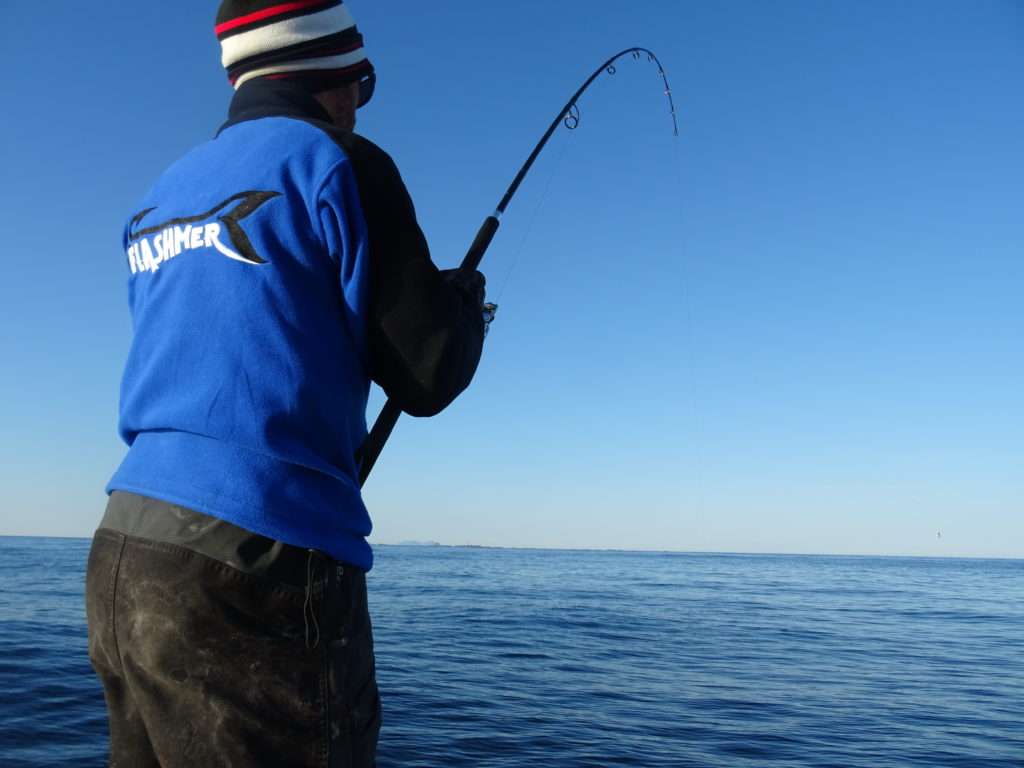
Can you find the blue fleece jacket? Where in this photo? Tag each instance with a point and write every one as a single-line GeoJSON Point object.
{"type": "Point", "coordinates": [244, 395]}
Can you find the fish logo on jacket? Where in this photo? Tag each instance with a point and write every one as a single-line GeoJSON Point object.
{"type": "Point", "coordinates": [155, 245]}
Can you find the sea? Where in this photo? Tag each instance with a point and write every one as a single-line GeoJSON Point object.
{"type": "Point", "coordinates": [510, 657]}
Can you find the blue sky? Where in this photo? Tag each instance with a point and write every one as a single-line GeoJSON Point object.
{"type": "Point", "coordinates": [796, 328]}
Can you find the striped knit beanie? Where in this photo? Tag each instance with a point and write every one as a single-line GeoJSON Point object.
{"type": "Point", "coordinates": [315, 40]}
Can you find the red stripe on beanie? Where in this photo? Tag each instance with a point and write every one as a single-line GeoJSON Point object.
{"type": "Point", "coordinates": [267, 13]}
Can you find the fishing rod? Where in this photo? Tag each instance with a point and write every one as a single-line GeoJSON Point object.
{"type": "Point", "coordinates": [570, 117]}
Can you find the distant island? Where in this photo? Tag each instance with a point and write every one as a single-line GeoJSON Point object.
{"type": "Point", "coordinates": [418, 544]}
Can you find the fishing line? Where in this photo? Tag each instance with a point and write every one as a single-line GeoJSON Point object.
{"type": "Point", "coordinates": [555, 166]}
{"type": "Point", "coordinates": [694, 414]}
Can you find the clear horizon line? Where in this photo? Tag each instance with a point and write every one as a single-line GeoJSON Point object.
{"type": "Point", "coordinates": [428, 544]}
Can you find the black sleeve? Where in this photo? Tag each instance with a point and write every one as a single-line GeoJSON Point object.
{"type": "Point", "coordinates": [425, 335]}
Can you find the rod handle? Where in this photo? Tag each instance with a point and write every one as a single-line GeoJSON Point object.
{"type": "Point", "coordinates": [379, 435]}
{"type": "Point", "coordinates": [480, 243]}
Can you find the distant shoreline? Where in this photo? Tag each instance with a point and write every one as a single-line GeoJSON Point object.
{"type": "Point", "coordinates": [612, 550]}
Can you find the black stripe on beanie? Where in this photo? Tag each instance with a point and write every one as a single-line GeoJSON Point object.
{"type": "Point", "coordinates": [339, 43]}
{"type": "Point", "coordinates": [322, 79]}
{"type": "Point", "coordinates": [231, 10]}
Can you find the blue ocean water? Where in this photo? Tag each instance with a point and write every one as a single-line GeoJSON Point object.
{"type": "Point", "coordinates": [564, 658]}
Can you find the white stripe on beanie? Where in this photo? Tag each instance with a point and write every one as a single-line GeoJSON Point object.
{"type": "Point", "coordinates": [326, 62]}
{"type": "Point", "coordinates": [284, 33]}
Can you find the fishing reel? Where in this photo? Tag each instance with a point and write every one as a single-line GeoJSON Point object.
{"type": "Point", "coordinates": [489, 311]}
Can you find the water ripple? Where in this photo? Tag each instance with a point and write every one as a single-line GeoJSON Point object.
{"type": "Point", "coordinates": [512, 658]}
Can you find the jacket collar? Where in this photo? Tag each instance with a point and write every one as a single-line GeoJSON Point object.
{"type": "Point", "coordinates": [261, 97]}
